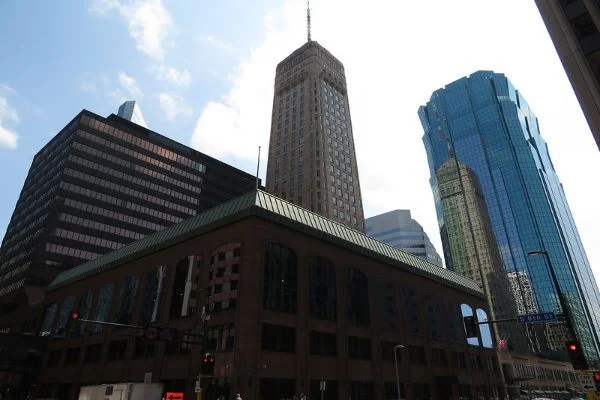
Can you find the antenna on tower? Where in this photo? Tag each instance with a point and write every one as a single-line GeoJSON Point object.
{"type": "Point", "coordinates": [308, 18]}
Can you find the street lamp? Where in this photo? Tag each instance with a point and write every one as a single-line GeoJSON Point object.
{"type": "Point", "coordinates": [396, 348]}
{"type": "Point", "coordinates": [561, 299]}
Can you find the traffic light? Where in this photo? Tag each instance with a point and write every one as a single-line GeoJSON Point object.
{"type": "Point", "coordinates": [72, 324]}
{"type": "Point", "coordinates": [208, 365]}
{"type": "Point", "coordinates": [470, 326]}
{"type": "Point", "coordinates": [576, 354]}
{"type": "Point", "coordinates": [597, 380]}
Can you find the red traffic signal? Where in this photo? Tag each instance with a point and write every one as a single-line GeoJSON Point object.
{"type": "Point", "coordinates": [208, 365]}
{"type": "Point", "coordinates": [74, 315]}
{"type": "Point", "coordinates": [597, 376]}
{"type": "Point", "coordinates": [576, 354]}
{"type": "Point", "coordinates": [572, 346]}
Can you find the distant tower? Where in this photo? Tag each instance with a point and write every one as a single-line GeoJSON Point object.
{"type": "Point", "coordinates": [312, 160]}
{"type": "Point", "coordinates": [398, 229]}
{"type": "Point", "coordinates": [132, 112]}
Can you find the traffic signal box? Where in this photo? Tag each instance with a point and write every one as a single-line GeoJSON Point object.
{"type": "Point", "coordinates": [72, 324]}
{"type": "Point", "coordinates": [576, 354]}
{"type": "Point", "coordinates": [470, 326]}
{"type": "Point", "coordinates": [208, 365]}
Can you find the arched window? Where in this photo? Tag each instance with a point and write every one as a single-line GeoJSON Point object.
{"type": "Point", "coordinates": [129, 289]}
{"type": "Point", "coordinates": [358, 297]}
{"type": "Point", "coordinates": [484, 329]}
{"type": "Point", "coordinates": [467, 311]}
{"type": "Point", "coordinates": [183, 298]}
{"type": "Point", "coordinates": [224, 276]}
{"type": "Point", "coordinates": [323, 302]}
{"type": "Point", "coordinates": [85, 309]}
{"type": "Point", "coordinates": [387, 306]}
{"type": "Point", "coordinates": [63, 316]}
{"type": "Point", "coordinates": [48, 322]}
{"type": "Point", "coordinates": [280, 278]}
{"type": "Point", "coordinates": [103, 306]}
{"type": "Point", "coordinates": [412, 317]}
{"type": "Point", "coordinates": [153, 295]}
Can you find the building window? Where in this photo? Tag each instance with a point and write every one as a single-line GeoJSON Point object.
{"type": "Point", "coordinates": [72, 355]}
{"type": "Point", "coordinates": [84, 309]}
{"type": "Point", "coordinates": [221, 338]}
{"type": "Point", "coordinates": [54, 358]}
{"type": "Point", "coordinates": [362, 390]}
{"type": "Point", "coordinates": [180, 296]}
{"type": "Point", "coordinates": [359, 348]}
{"type": "Point", "coordinates": [323, 344]}
{"type": "Point", "coordinates": [280, 277]}
{"type": "Point", "coordinates": [48, 322]}
{"type": "Point", "coordinates": [93, 353]}
{"type": "Point", "coordinates": [387, 351]}
{"type": "Point", "coordinates": [422, 391]}
{"type": "Point", "coordinates": [117, 350]}
{"type": "Point", "coordinates": [129, 290]}
{"type": "Point", "coordinates": [143, 348]}
{"type": "Point", "coordinates": [411, 309]}
{"type": "Point", "coordinates": [433, 308]}
{"type": "Point", "coordinates": [153, 295]}
{"type": "Point", "coordinates": [278, 338]}
{"type": "Point", "coordinates": [416, 355]}
{"type": "Point", "coordinates": [323, 303]}
{"type": "Point", "coordinates": [358, 297]}
{"type": "Point", "coordinates": [103, 306]}
{"type": "Point", "coordinates": [63, 316]}
{"type": "Point", "coordinates": [439, 358]}
{"type": "Point", "coordinates": [390, 391]}
{"type": "Point", "coordinates": [180, 346]}
{"type": "Point", "coordinates": [387, 313]}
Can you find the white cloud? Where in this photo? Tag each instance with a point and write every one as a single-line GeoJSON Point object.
{"type": "Point", "coordinates": [88, 87]}
{"type": "Point", "coordinates": [174, 105]}
{"type": "Point", "coordinates": [7, 88]}
{"type": "Point", "coordinates": [394, 62]}
{"type": "Point", "coordinates": [177, 77]}
{"type": "Point", "coordinates": [130, 84]}
{"type": "Point", "coordinates": [214, 41]}
{"type": "Point", "coordinates": [148, 22]}
{"type": "Point", "coordinates": [8, 138]}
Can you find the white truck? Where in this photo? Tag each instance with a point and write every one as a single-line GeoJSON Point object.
{"type": "Point", "coordinates": [122, 391]}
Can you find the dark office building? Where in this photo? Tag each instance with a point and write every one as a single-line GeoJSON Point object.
{"type": "Point", "coordinates": [574, 26]}
{"type": "Point", "coordinates": [98, 185]}
{"type": "Point", "coordinates": [294, 299]}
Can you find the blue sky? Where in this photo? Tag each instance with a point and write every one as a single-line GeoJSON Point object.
{"type": "Point", "coordinates": [203, 73]}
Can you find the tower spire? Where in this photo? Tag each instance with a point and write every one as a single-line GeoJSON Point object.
{"type": "Point", "coordinates": [308, 18]}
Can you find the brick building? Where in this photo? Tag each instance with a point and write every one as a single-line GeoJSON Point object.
{"type": "Point", "coordinates": [294, 299]}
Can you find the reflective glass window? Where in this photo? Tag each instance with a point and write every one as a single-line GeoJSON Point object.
{"type": "Point", "coordinates": [103, 306]}
{"type": "Point", "coordinates": [358, 297]}
{"type": "Point", "coordinates": [127, 297]}
{"type": "Point", "coordinates": [280, 278]}
{"type": "Point", "coordinates": [153, 295]}
{"type": "Point", "coordinates": [323, 304]}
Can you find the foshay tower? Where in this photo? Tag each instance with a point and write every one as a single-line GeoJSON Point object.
{"type": "Point", "coordinates": [312, 160]}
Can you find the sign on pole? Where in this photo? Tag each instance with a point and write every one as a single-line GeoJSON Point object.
{"type": "Point", "coordinates": [322, 386]}
{"type": "Point", "coordinates": [541, 317]}
{"type": "Point", "coordinates": [197, 388]}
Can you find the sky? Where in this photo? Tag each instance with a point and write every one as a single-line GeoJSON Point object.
{"type": "Point", "coordinates": [203, 73]}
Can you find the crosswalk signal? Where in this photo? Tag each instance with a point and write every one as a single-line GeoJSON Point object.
{"type": "Point", "coordinates": [470, 326]}
{"type": "Point", "coordinates": [208, 365]}
{"type": "Point", "coordinates": [576, 354]}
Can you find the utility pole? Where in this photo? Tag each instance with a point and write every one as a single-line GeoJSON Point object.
{"type": "Point", "coordinates": [396, 348]}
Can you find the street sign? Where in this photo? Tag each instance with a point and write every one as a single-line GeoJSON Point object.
{"type": "Point", "coordinates": [323, 386]}
{"type": "Point", "coordinates": [174, 396]}
{"type": "Point", "coordinates": [541, 317]}
{"type": "Point", "coordinates": [198, 388]}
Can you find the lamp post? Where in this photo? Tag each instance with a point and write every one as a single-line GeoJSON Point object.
{"type": "Point", "coordinates": [396, 348]}
{"type": "Point", "coordinates": [561, 299]}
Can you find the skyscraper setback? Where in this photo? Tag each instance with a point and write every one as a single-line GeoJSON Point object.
{"type": "Point", "coordinates": [312, 160]}
{"type": "Point", "coordinates": [485, 123]}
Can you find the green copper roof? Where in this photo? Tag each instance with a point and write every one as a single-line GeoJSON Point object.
{"type": "Point", "coordinates": [264, 205]}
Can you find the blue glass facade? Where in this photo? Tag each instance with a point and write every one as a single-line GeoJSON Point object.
{"type": "Point", "coordinates": [485, 123]}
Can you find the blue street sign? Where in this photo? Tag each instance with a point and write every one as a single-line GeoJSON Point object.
{"type": "Point", "coordinates": [541, 317]}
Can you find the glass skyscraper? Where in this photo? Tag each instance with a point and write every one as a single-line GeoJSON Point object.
{"type": "Point", "coordinates": [132, 112]}
{"type": "Point", "coordinates": [485, 123]}
{"type": "Point", "coordinates": [397, 228]}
